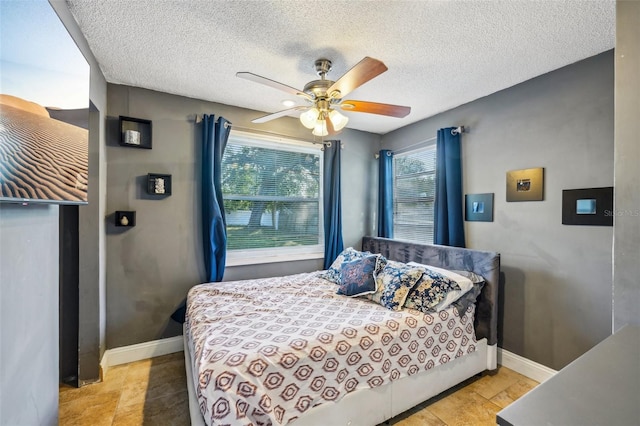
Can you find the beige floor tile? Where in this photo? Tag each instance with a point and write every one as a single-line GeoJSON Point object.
{"type": "Point", "coordinates": [489, 385]}
{"type": "Point", "coordinates": [419, 418]}
{"type": "Point", "coordinates": [170, 410]}
{"type": "Point", "coordinates": [98, 409]}
{"type": "Point", "coordinates": [113, 381]}
{"type": "Point", "coordinates": [134, 393]}
{"type": "Point", "coordinates": [150, 381]}
{"type": "Point", "coordinates": [132, 415]}
{"type": "Point", "coordinates": [465, 407]}
{"type": "Point", "coordinates": [513, 392]}
{"type": "Point", "coordinates": [157, 360]}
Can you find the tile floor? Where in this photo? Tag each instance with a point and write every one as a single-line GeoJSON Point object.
{"type": "Point", "coordinates": [153, 392]}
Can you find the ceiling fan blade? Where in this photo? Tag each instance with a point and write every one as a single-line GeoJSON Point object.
{"type": "Point", "coordinates": [272, 83]}
{"type": "Point", "coordinates": [278, 114]}
{"type": "Point", "coordinates": [363, 71]}
{"type": "Point", "coordinates": [330, 129]}
{"type": "Point", "coordinates": [376, 108]}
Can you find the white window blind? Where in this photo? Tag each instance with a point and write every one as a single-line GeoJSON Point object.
{"type": "Point", "coordinates": [414, 186]}
{"type": "Point", "coordinates": [272, 193]}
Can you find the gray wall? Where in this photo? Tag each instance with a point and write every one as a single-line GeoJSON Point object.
{"type": "Point", "coordinates": [151, 266]}
{"type": "Point", "coordinates": [626, 247]}
{"type": "Point", "coordinates": [28, 314]}
{"type": "Point", "coordinates": [557, 278]}
{"type": "Point", "coordinates": [92, 253]}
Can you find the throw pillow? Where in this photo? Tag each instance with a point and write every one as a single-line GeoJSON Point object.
{"type": "Point", "coordinates": [357, 277]}
{"type": "Point", "coordinates": [394, 282]}
{"type": "Point", "coordinates": [431, 290]}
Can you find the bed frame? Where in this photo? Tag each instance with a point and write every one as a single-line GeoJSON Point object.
{"type": "Point", "coordinates": [374, 406]}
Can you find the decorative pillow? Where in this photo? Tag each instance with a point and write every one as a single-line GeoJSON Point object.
{"type": "Point", "coordinates": [394, 282]}
{"type": "Point", "coordinates": [357, 277]}
{"type": "Point", "coordinates": [437, 289]}
{"type": "Point", "coordinates": [349, 254]}
{"type": "Point", "coordinates": [471, 296]}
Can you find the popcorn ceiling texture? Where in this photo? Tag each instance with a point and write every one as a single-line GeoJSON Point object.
{"type": "Point", "coordinates": [440, 54]}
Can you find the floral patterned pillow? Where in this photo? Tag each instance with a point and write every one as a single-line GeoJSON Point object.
{"type": "Point", "coordinates": [357, 277]}
{"type": "Point", "coordinates": [432, 289]}
{"type": "Point", "coordinates": [394, 282]}
{"type": "Point", "coordinates": [348, 255]}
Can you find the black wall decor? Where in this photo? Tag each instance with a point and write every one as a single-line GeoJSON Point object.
{"type": "Point", "coordinates": [478, 207]}
{"type": "Point", "coordinates": [125, 218]}
{"type": "Point", "coordinates": [158, 184]}
{"type": "Point", "coordinates": [589, 206]}
{"type": "Point", "coordinates": [135, 132]}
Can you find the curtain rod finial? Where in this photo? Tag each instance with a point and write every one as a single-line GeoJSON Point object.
{"type": "Point", "coordinates": [460, 129]}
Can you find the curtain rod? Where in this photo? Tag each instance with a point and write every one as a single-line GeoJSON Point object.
{"type": "Point", "coordinates": [456, 131]}
{"type": "Point", "coordinates": [253, 130]}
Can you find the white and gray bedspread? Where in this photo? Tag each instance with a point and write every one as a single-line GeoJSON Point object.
{"type": "Point", "coordinates": [265, 351]}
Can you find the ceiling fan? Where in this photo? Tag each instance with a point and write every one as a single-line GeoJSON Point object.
{"type": "Point", "coordinates": [325, 97]}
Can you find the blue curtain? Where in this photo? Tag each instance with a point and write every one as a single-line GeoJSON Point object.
{"type": "Point", "coordinates": [333, 244]}
{"type": "Point", "coordinates": [448, 221]}
{"type": "Point", "coordinates": [214, 140]}
{"type": "Point", "coordinates": [385, 194]}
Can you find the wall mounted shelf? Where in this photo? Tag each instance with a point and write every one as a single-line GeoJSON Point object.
{"type": "Point", "coordinates": [125, 218]}
{"type": "Point", "coordinates": [135, 132]}
{"type": "Point", "coordinates": [158, 184]}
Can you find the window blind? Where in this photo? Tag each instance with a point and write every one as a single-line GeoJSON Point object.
{"type": "Point", "coordinates": [271, 194]}
{"type": "Point", "coordinates": [414, 195]}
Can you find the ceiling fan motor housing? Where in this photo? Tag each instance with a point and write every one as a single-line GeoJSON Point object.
{"type": "Point", "coordinates": [323, 66]}
{"type": "Point", "coordinates": [318, 88]}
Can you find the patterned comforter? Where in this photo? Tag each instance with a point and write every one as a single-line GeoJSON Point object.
{"type": "Point", "coordinates": [265, 351]}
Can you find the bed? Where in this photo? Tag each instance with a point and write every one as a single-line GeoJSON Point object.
{"type": "Point", "coordinates": [290, 351]}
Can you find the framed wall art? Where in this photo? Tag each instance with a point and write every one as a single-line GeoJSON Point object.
{"type": "Point", "coordinates": [589, 206]}
{"type": "Point", "coordinates": [478, 207]}
{"type": "Point", "coordinates": [525, 185]}
{"type": "Point", "coordinates": [44, 108]}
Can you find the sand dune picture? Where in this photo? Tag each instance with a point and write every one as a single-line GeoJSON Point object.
{"type": "Point", "coordinates": [44, 108]}
{"type": "Point", "coordinates": [42, 158]}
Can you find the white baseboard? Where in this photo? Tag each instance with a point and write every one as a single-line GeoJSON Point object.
{"type": "Point", "coordinates": [524, 366]}
{"type": "Point", "coordinates": [140, 351]}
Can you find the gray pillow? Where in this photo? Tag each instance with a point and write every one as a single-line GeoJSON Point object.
{"type": "Point", "coordinates": [470, 297]}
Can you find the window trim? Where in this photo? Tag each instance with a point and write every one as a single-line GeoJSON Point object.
{"type": "Point", "coordinates": [261, 256]}
{"type": "Point", "coordinates": [240, 257]}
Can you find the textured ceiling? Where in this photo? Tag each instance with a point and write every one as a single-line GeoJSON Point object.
{"type": "Point", "coordinates": [440, 54]}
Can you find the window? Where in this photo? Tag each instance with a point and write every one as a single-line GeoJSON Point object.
{"type": "Point", "coordinates": [414, 190]}
{"type": "Point", "coordinates": [272, 198]}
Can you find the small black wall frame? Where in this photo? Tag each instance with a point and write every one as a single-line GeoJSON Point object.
{"type": "Point", "coordinates": [479, 207]}
{"type": "Point", "coordinates": [598, 204]}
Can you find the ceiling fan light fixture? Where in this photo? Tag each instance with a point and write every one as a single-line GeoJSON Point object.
{"type": "Point", "coordinates": [320, 128]}
{"type": "Point", "coordinates": [309, 118]}
{"type": "Point", "coordinates": [338, 120]}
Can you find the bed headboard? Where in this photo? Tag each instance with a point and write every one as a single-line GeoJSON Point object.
{"type": "Point", "coordinates": [484, 263]}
